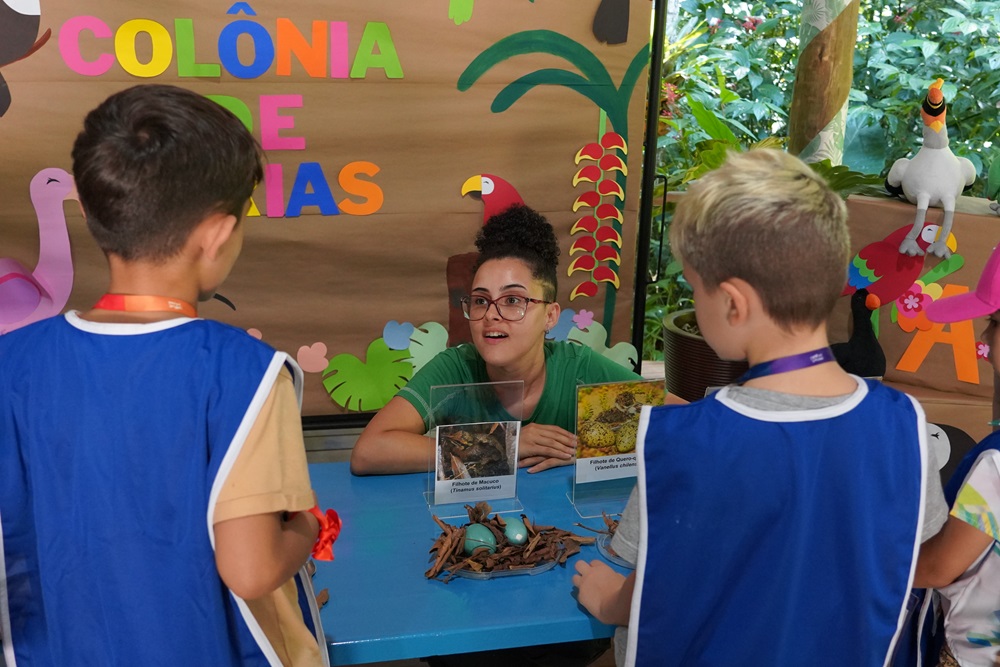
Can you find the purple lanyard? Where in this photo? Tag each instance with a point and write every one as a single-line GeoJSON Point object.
{"type": "Point", "coordinates": [790, 363]}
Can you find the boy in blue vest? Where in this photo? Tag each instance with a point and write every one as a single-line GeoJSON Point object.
{"type": "Point", "coordinates": [779, 518]}
{"type": "Point", "coordinates": [149, 459]}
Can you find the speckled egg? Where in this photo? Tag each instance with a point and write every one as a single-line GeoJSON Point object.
{"type": "Point", "coordinates": [515, 531]}
{"type": "Point", "coordinates": [477, 535]}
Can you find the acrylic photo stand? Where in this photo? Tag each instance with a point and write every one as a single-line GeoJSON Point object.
{"type": "Point", "coordinates": [476, 431]}
{"type": "Point", "coordinates": [607, 420]}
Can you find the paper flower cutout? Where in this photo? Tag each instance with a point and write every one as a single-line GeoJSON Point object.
{"type": "Point", "coordinates": [584, 318]}
{"type": "Point", "coordinates": [312, 358]}
{"type": "Point", "coordinates": [982, 351]}
{"type": "Point", "coordinates": [912, 302]}
{"type": "Point", "coordinates": [562, 328]}
{"type": "Point", "coordinates": [396, 335]}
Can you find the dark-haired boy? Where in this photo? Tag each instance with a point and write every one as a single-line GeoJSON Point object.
{"type": "Point", "coordinates": [780, 518]}
{"type": "Point", "coordinates": [147, 456]}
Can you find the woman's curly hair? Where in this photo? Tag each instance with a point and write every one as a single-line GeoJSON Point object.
{"type": "Point", "coordinates": [522, 233]}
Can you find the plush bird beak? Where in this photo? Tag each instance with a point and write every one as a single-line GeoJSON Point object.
{"type": "Point", "coordinates": [934, 110]}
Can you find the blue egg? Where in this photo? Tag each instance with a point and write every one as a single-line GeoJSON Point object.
{"type": "Point", "coordinates": [515, 532]}
{"type": "Point", "coordinates": [477, 535]}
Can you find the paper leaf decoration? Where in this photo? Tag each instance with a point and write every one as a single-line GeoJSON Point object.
{"type": "Point", "coordinates": [594, 337]}
{"type": "Point", "coordinates": [425, 343]}
{"type": "Point", "coordinates": [367, 385]}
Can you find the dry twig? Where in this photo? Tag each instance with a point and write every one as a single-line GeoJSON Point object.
{"type": "Point", "coordinates": [545, 544]}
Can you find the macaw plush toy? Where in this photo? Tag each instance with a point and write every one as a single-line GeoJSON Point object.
{"type": "Point", "coordinates": [932, 177]}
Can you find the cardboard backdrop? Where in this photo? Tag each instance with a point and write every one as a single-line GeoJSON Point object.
{"type": "Point", "coordinates": [375, 116]}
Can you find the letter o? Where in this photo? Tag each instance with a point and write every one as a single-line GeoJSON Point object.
{"type": "Point", "coordinates": [163, 48]}
{"type": "Point", "coordinates": [263, 49]}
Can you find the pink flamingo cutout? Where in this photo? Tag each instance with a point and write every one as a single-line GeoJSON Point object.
{"type": "Point", "coordinates": [27, 297]}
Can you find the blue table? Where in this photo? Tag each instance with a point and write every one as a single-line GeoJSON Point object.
{"type": "Point", "coordinates": [383, 608]}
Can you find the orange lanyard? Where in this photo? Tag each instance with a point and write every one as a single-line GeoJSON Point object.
{"type": "Point", "coordinates": [139, 302]}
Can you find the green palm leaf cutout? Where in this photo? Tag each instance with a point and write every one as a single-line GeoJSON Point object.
{"type": "Point", "coordinates": [595, 336]}
{"type": "Point", "coordinates": [425, 343]}
{"type": "Point", "coordinates": [551, 77]}
{"type": "Point", "coordinates": [357, 385]}
{"type": "Point", "coordinates": [593, 82]}
{"type": "Point", "coordinates": [536, 41]}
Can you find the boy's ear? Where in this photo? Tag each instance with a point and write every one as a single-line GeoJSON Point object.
{"type": "Point", "coordinates": [740, 298]}
{"type": "Point", "coordinates": [214, 231]}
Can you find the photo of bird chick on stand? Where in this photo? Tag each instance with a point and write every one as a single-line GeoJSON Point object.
{"type": "Point", "coordinates": [882, 271]}
{"type": "Point", "coordinates": [476, 429]}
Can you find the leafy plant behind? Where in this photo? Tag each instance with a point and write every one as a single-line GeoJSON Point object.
{"type": "Point", "coordinates": [727, 82]}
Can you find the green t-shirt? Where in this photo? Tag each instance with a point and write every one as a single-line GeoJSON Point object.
{"type": "Point", "coordinates": [566, 366]}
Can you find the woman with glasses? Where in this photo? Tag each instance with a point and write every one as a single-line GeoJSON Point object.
{"type": "Point", "coordinates": [510, 308]}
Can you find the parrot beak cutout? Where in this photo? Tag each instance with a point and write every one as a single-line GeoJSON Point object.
{"type": "Point", "coordinates": [951, 242]}
{"type": "Point", "coordinates": [474, 185]}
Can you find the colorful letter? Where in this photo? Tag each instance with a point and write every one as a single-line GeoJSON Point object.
{"type": "Point", "coordinates": [338, 50]}
{"type": "Point", "coordinates": [310, 173]}
{"type": "Point", "coordinates": [229, 53]}
{"type": "Point", "coordinates": [312, 57]}
{"type": "Point", "coordinates": [163, 48]}
{"type": "Point", "coordinates": [274, 180]}
{"type": "Point", "coordinates": [69, 45]}
{"type": "Point", "coordinates": [351, 184]}
{"type": "Point", "coordinates": [376, 35]}
{"type": "Point", "coordinates": [960, 336]}
{"type": "Point", "coordinates": [271, 123]}
{"type": "Point", "coordinates": [237, 106]}
{"type": "Point", "coordinates": [186, 61]}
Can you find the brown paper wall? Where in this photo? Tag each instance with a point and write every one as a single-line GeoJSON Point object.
{"type": "Point", "coordinates": [337, 280]}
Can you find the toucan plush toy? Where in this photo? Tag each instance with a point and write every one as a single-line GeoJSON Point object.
{"type": "Point", "coordinates": [932, 177]}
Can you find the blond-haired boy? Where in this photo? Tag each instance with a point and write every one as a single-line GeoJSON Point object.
{"type": "Point", "coordinates": [779, 518]}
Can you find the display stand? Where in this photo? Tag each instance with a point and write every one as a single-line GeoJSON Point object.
{"type": "Point", "coordinates": [476, 430]}
{"type": "Point", "coordinates": [607, 421]}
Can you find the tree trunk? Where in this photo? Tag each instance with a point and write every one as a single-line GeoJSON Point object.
{"type": "Point", "coordinates": [673, 16]}
{"type": "Point", "coordinates": [823, 77]}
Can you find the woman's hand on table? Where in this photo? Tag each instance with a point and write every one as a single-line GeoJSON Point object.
{"type": "Point", "coordinates": [544, 446]}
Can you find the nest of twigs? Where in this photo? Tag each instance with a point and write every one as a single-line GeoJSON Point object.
{"type": "Point", "coordinates": [545, 544]}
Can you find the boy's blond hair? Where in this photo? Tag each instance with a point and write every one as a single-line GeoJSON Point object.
{"type": "Point", "coordinates": [765, 217]}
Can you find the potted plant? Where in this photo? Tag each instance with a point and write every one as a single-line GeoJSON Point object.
{"type": "Point", "coordinates": [690, 365]}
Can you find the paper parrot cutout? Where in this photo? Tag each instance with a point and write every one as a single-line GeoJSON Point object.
{"type": "Point", "coordinates": [497, 196]}
{"type": "Point", "coordinates": [933, 177]}
{"type": "Point", "coordinates": [886, 273]}
{"type": "Point", "coordinates": [19, 22]}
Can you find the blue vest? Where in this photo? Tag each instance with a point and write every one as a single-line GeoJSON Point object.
{"type": "Point", "coordinates": [114, 445]}
{"type": "Point", "coordinates": [777, 538]}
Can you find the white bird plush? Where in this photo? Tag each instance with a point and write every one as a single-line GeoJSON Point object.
{"type": "Point", "coordinates": [933, 177]}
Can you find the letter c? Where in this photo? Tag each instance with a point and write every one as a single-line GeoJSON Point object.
{"type": "Point", "coordinates": [69, 45]}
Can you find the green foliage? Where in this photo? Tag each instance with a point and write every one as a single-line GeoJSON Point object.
{"type": "Point", "coordinates": [727, 82]}
{"type": "Point", "coordinates": [846, 181]}
{"type": "Point", "coordinates": [900, 51]}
